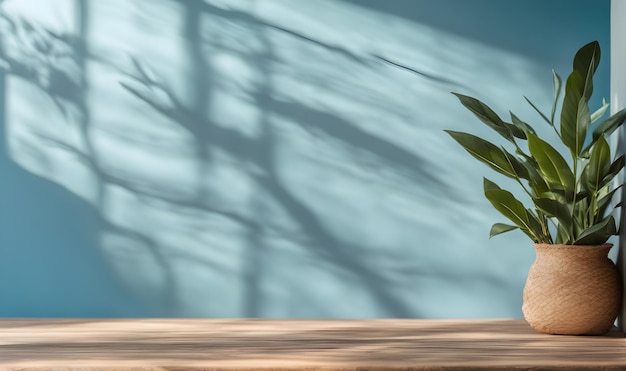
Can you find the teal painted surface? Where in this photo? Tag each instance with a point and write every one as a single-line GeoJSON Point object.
{"type": "Point", "coordinates": [261, 159]}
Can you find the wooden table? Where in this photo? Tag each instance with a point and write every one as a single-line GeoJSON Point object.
{"type": "Point", "coordinates": [329, 345]}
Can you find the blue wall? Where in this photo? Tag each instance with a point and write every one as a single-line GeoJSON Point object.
{"type": "Point", "coordinates": [260, 159]}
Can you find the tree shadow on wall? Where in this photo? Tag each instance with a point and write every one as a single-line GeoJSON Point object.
{"type": "Point", "coordinates": [260, 155]}
{"type": "Point", "coordinates": [261, 150]}
{"type": "Point", "coordinates": [54, 63]}
{"type": "Point", "coordinates": [50, 61]}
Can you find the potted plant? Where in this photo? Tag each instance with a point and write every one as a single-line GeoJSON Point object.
{"type": "Point", "coordinates": [572, 286]}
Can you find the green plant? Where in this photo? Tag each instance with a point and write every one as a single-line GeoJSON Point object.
{"type": "Point", "coordinates": [571, 199]}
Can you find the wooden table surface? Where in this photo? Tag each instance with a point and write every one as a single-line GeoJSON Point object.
{"type": "Point", "coordinates": [329, 345]}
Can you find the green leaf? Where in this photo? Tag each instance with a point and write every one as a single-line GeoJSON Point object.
{"type": "Point", "coordinates": [500, 228]}
{"type": "Point", "coordinates": [608, 126]}
{"type": "Point", "coordinates": [575, 117]}
{"type": "Point", "coordinates": [557, 210]}
{"type": "Point", "coordinates": [598, 233]}
{"type": "Point", "coordinates": [556, 82]}
{"type": "Point", "coordinates": [514, 210]}
{"type": "Point", "coordinates": [586, 62]}
{"type": "Point", "coordinates": [538, 111]}
{"type": "Point", "coordinates": [599, 112]}
{"type": "Point", "coordinates": [552, 165]}
{"type": "Point", "coordinates": [605, 201]}
{"type": "Point", "coordinates": [536, 226]}
{"type": "Point", "coordinates": [617, 165]}
{"type": "Point", "coordinates": [562, 236]}
{"type": "Point", "coordinates": [489, 185]}
{"type": "Point", "coordinates": [556, 196]}
{"type": "Point", "coordinates": [490, 118]}
{"type": "Point", "coordinates": [486, 152]}
{"type": "Point", "coordinates": [521, 124]}
{"type": "Point", "coordinates": [598, 166]}
{"type": "Point", "coordinates": [535, 180]}
{"type": "Point", "coordinates": [614, 169]}
{"type": "Point", "coordinates": [584, 120]}
{"type": "Point", "coordinates": [582, 218]}
{"type": "Point", "coordinates": [518, 166]}
{"type": "Point", "coordinates": [581, 195]}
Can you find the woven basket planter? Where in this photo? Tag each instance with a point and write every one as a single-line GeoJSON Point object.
{"type": "Point", "coordinates": [572, 290]}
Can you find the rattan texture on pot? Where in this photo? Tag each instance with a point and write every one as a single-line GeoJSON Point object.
{"type": "Point", "coordinates": [572, 290]}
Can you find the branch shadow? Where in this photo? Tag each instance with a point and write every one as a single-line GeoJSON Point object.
{"type": "Point", "coordinates": [66, 84]}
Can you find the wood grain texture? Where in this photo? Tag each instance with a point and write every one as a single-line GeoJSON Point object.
{"type": "Point", "coordinates": [329, 345]}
